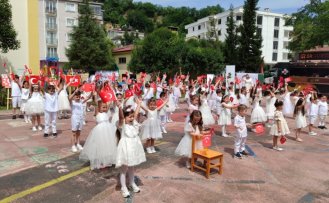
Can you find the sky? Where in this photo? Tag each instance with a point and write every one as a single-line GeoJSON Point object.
{"type": "Point", "coordinates": [279, 6]}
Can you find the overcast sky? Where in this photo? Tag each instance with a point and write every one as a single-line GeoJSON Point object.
{"type": "Point", "coordinates": [280, 6]}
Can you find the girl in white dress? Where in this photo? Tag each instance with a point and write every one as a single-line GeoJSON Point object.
{"type": "Point", "coordinates": [270, 108]}
{"type": "Point", "coordinates": [101, 144]}
{"type": "Point", "coordinates": [242, 97]}
{"type": "Point", "coordinates": [194, 105]}
{"type": "Point", "coordinates": [258, 114]}
{"type": "Point", "coordinates": [192, 128]}
{"type": "Point", "coordinates": [130, 150]}
{"type": "Point", "coordinates": [288, 107]}
{"type": "Point", "coordinates": [151, 127]}
{"type": "Point", "coordinates": [35, 106]}
{"type": "Point", "coordinates": [205, 110]}
{"type": "Point", "coordinates": [24, 98]}
{"type": "Point", "coordinates": [225, 115]}
{"type": "Point", "coordinates": [300, 119]}
{"type": "Point", "coordinates": [170, 105]}
{"type": "Point", "coordinates": [280, 127]}
{"type": "Point", "coordinates": [63, 100]}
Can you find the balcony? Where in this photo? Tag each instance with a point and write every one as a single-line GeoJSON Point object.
{"type": "Point", "coordinates": [52, 55]}
{"type": "Point", "coordinates": [51, 26]}
{"type": "Point", "coordinates": [52, 41]}
{"type": "Point", "coordinates": [51, 10]}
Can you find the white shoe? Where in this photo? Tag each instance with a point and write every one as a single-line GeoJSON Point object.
{"type": "Point", "coordinates": [277, 148]}
{"type": "Point", "coordinates": [312, 133]}
{"type": "Point", "coordinates": [26, 121]}
{"type": "Point", "coordinates": [225, 135]}
{"type": "Point", "coordinates": [164, 131]}
{"type": "Point", "coordinates": [135, 188]}
{"type": "Point", "coordinates": [74, 149]}
{"type": "Point", "coordinates": [188, 164]}
{"type": "Point", "coordinates": [40, 128]}
{"type": "Point", "coordinates": [153, 150]}
{"type": "Point", "coordinates": [84, 123]}
{"type": "Point", "coordinates": [29, 121]}
{"type": "Point", "coordinates": [124, 191]}
{"type": "Point", "coordinates": [34, 129]}
{"type": "Point", "coordinates": [80, 148]}
{"type": "Point", "coordinates": [149, 150]}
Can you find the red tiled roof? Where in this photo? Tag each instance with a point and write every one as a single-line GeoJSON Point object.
{"type": "Point", "coordinates": [123, 49]}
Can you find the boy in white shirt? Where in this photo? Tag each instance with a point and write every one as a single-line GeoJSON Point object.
{"type": "Point", "coordinates": [241, 136]}
{"type": "Point", "coordinates": [51, 108]}
{"type": "Point", "coordinates": [313, 113]}
{"type": "Point", "coordinates": [323, 112]}
{"type": "Point", "coordinates": [15, 94]}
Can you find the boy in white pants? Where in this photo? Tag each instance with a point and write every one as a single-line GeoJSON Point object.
{"type": "Point", "coordinates": [51, 108]}
{"type": "Point", "coordinates": [323, 112]}
{"type": "Point", "coordinates": [241, 127]}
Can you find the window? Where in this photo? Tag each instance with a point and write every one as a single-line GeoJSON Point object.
{"type": "Point", "coordinates": [193, 29]}
{"type": "Point", "coordinates": [274, 56]}
{"type": "Point", "coordinates": [276, 22]}
{"type": "Point", "coordinates": [51, 38]}
{"type": "Point", "coordinates": [259, 31]}
{"type": "Point", "coordinates": [219, 32]}
{"type": "Point", "coordinates": [97, 10]}
{"type": "Point", "coordinates": [276, 34]}
{"type": "Point", "coordinates": [287, 34]}
{"type": "Point", "coordinates": [275, 45]}
{"type": "Point", "coordinates": [70, 22]}
{"type": "Point", "coordinates": [50, 6]}
{"type": "Point", "coordinates": [51, 22]}
{"type": "Point", "coordinates": [70, 7]}
{"type": "Point", "coordinates": [199, 36]}
{"type": "Point", "coordinates": [285, 44]}
{"type": "Point", "coordinates": [284, 56]}
{"type": "Point", "coordinates": [122, 60]}
{"type": "Point", "coordinates": [238, 18]}
{"type": "Point", "coordinates": [219, 21]}
{"type": "Point", "coordinates": [68, 37]}
{"type": "Point", "coordinates": [199, 27]}
{"type": "Point", "coordinates": [51, 52]}
{"type": "Point", "coordinates": [259, 20]}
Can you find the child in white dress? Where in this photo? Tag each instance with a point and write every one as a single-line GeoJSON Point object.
{"type": "Point", "coordinates": [207, 117]}
{"type": "Point", "coordinates": [280, 127]}
{"type": "Point", "coordinates": [194, 105]}
{"type": "Point", "coordinates": [225, 115]}
{"type": "Point", "coordinates": [270, 108]}
{"type": "Point", "coordinates": [171, 107]}
{"type": "Point", "coordinates": [192, 128]}
{"type": "Point", "coordinates": [162, 112]}
{"type": "Point", "coordinates": [151, 127]}
{"type": "Point", "coordinates": [63, 100]}
{"type": "Point", "coordinates": [130, 150]}
{"type": "Point", "coordinates": [258, 114]}
{"type": "Point", "coordinates": [76, 119]}
{"type": "Point", "coordinates": [101, 144]}
{"type": "Point", "coordinates": [300, 119]}
{"type": "Point", "coordinates": [323, 112]}
{"type": "Point", "coordinates": [313, 113]}
{"type": "Point", "coordinates": [35, 106]}
{"type": "Point", "coordinates": [288, 107]}
{"type": "Point", "coordinates": [24, 98]}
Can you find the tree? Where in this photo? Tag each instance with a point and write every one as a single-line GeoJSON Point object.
{"type": "Point", "coordinates": [8, 34]}
{"type": "Point", "coordinates": [90, 48]}
{"type": "Point", "coordinates": [159, 51]}
{"type": "Point", "coordinates": [231, 42]}
{"type": "Point", "coordinates": [138, 20]}
{"type": "Point", "coordinates": [250, 41]}
{"type": "Point", "coordinates": [129, 38]}
{"type": "Point", "coordinates": [310, 24]}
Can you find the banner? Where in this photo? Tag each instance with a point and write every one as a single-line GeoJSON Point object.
{"type": "Point", "coordinates": [5, 82]}
{"type": "Point", "coordinates": [74, 80]}
{"type": "Point", "coordinates": [106, 75]}
{"type": "Point", "coordinates": [230, 75]}
{"type": "Point", "coordinates": [210, 77]}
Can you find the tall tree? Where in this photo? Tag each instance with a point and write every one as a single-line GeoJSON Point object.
{"type": "Point", "coordinates": [231, 42]}
{"type": "Point", "coordinates": [90, 48]}
{"type": "Point", "coordinates": [250, 41]}
{"type": "Point", "coordinates": [310, 24]}
{"type": "Point", "coordinates": [8, 34]}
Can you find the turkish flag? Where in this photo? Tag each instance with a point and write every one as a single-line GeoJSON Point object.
{"type": "Point", "coordinates": [107, 94]}
{"type": "Point", "coordinates": [74, 80]}
{"type": "Point", "coordinates": [137, 89]}
{"type": "Point", "coordinates": [159, 103]}
{"type": "Point", "coordinates": [153, 85]}
{"type": "Point", "coordinates": [113, 77]}
{"type": "Point", "coordinates": [206, 139]}
{"type": "Point", "coordinates": [87, 87]}
{"type": "Point", "coordinates": [289, 79]}
{"type": "Point", "coordinates": [237, 80]}
{"type": "Point", "coordinates": [33, 79]}
{"type": "Point", "coordinates": [129, 93]}
{"type": "Point", "coordinates": [130, 81]}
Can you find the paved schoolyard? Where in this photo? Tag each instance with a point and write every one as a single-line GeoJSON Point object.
{"type": "Point", "coordinates": [297, 174]}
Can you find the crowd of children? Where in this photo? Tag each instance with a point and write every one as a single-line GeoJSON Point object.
{"type": "Point", "coordinates": [141, 114]}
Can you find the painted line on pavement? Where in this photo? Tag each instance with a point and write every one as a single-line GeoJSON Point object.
{"type": "Point", "coordinates": [44, 185]}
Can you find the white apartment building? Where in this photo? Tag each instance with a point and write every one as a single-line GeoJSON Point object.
{"type": "Point", "coordinates": [56, 21]}
{"type": "Point", "coordinates": [271, 25]}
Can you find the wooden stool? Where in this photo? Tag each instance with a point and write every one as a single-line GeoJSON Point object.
{"type": "Point", "coordinates": [207, 155]}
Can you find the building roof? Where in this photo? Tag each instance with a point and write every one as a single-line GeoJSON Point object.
{"type": "Point", "coordinates": [123, 49]}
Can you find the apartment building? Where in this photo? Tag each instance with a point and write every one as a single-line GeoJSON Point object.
{"type": "Point", "coordinates": [275, 34]}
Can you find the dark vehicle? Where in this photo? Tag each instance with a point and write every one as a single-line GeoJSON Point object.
{"type": "Point", "coordinates": [303, 75]}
